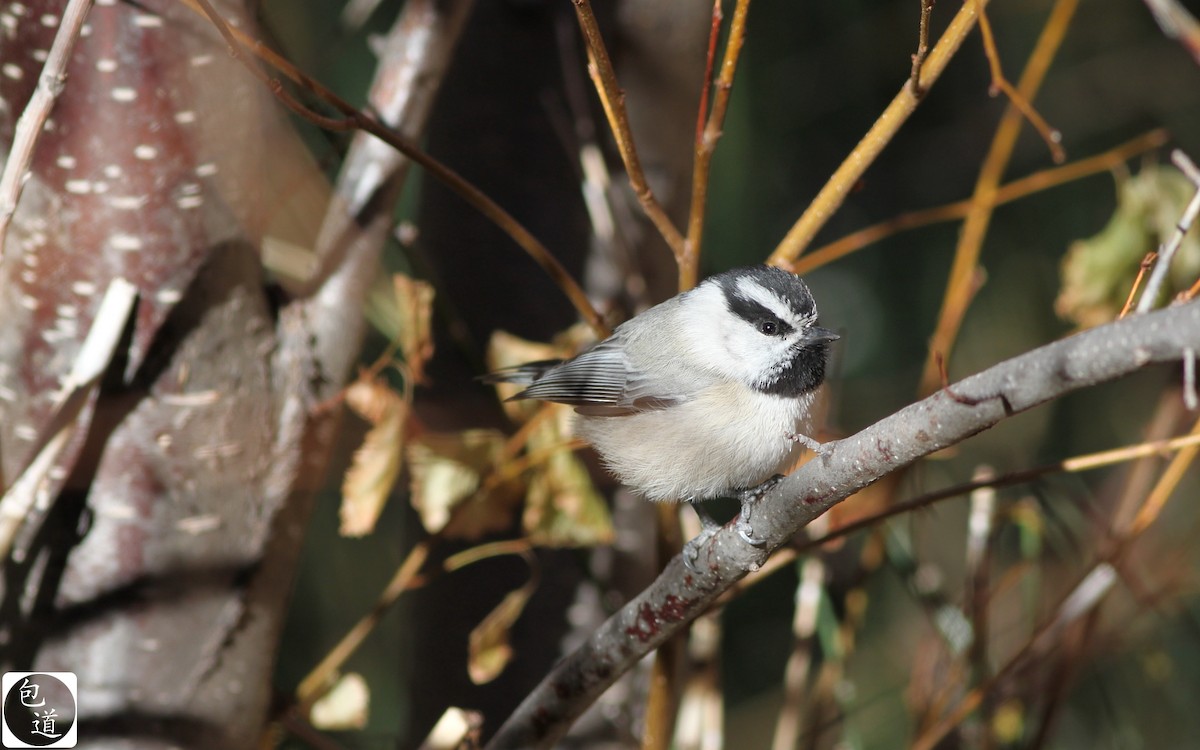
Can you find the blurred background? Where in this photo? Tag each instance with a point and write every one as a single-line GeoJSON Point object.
{"type": "Point", "coordinates": [909, 621]}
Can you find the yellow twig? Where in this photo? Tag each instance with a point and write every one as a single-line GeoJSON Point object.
{"type": "Point", "coordinates": [613, 100]}
{"type": "Point", "coordinates": [1051, 136]}
{"type": "Point", "coordinates": [833, 194]}
{"type": "Point", "coordinates": [1166, 485]}
{"type": "Point", "coordinates": [1143, 267]}
{"type": "Point", "coordinates": [486, 551]}
{"type": "Point", "coordinates": [706, 145]}
{"type": "Point", "coordinates": [322, 677]}
{"type": "Point", "coordinates": [1042, 180]}
{"type": "Point", "coordinates": [961, 287]}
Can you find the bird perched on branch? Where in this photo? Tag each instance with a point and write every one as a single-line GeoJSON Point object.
{"type": "Point", "coordinates": [701, 396]}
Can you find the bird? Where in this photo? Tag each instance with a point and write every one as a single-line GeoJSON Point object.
{"type": "Point", "coordinates": [701, 396]}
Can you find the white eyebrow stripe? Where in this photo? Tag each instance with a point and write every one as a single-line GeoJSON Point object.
{"type": "Point", "coordinates": [748, 289]}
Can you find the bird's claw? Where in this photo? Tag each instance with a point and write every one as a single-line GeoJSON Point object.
{"type": "Point", "coordinates": [708, 528]}
{"type": "Point", "coordinates": [691, 550]}
{"type": "Point", "coordinates": [749, 498]}
{"type": "Point", "coordinates": [746, 532]}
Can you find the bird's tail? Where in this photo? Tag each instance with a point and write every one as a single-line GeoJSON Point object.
{"type": "Point", "coordinates": [525, 374]}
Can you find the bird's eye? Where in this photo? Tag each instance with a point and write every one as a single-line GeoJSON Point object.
{"type": "Point", "coordinates": [767, 327]}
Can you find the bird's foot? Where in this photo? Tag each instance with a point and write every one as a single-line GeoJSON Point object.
{"type": "Point", "coordinates": [750, 498]}
{"type": "Point", "coordinates": [708, 527]}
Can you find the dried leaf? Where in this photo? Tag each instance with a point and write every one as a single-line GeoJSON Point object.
{"type": "Point", "coordinates": [488, 649]}
{"type": "Point", "coordinates": [457, 729]}
{"type": "Point", "coordinates": [344, 707]}
{"type": "Point", "coordinates": [562, 506]}
{"type": "Point", "coordinates": [449, 469]}
{"type": "Point", "coordinates": [402, 311]}
{"type": "Point", "coordinates": [376, 464]}
{"type": "Point", "coordinates": [1098, 272]}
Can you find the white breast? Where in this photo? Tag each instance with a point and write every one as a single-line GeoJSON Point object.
{"type": "Point", "coordinates": [727, 438]}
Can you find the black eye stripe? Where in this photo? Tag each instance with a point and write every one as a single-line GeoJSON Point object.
{"type": "Point", "coordinates": [757, 315]}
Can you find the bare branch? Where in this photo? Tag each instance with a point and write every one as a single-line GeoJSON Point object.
{"type": "Point", "coordinates": [918, 59]}
{"type": "Point", "coordinates": [33, 118]}
{"type": "Point", "coordinates": [613, 100]}
{"type": "Point", "coordinates": [679, 595]}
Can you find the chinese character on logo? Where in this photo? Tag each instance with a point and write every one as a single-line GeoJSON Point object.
{"type": "Point", "coordinates": [29, 694]}
{"type": "Point", "coordinates": [39, 709]}
{"type": "Point", "coordinates": [44, 724]}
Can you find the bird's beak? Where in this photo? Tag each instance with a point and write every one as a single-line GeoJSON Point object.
{"type": "Point", "coordinates": [818, 335]}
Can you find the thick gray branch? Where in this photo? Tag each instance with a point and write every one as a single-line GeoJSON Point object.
{"type": "Point", "coordinates": [945, 418]}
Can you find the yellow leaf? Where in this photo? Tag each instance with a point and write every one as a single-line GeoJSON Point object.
{"type": "Point", "coordinates": [562, 506]}
{"type": "Point", "coordinates": [488, 649]}
{"type": "Point", "coordinates": [376, 464]}
{"type": "Point", "coordinates": [402, 310]}
{"type": "Point", "coordinates": [447, 470]}
{"type": "Point", "coordinates": [344, 707]}
{"type": "Point", "coordinates": [457, 729]}
{"type": "Point", "coordinates": [1098, 272]}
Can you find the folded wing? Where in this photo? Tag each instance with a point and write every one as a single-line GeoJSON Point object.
{"type": "Point", "coordinates": [598, 382]}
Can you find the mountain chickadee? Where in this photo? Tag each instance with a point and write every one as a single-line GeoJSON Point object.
{"type": "Point", "coordinates": [698, 397]}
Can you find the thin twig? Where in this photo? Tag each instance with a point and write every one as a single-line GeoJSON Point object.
{"type": "Point", "coordinates": [353, 118]}
{"type": "Point", "coordinates": [714, 34]}
{"type": "Point", "coordinates": [413, 56]}
{"type": "Point", "coordinates": [922, 52]}
{"type": "Point", "coordinates": [33, 118]}
{"type": "Point", "coordinates": [1167, 253]}
{"type": "Point", "coordinates": [1177, 23]}
{"type": "Point", "coordinates": [961, 286]}
{"type": "Point", "coordinates": [1051, 136]}
{"type": "Point", "coordinates": [17, 504]}
{"type": "Point", "coordinates": [1081, 600]}
{"type": "Point", "coordinates": [322, 676]}
{"type": "Point", "coordinates": [1157, 499]}
{"type": "Point", "coordinates": [1086, 595]}
{"type": "Point", "coordinates": [1192, 291]}
{"type": "Point", "coordinates": [701, 707]}
{"type": "Point", "coordinates": [981, 523]}
{"type": "Point", "coordinates": [1146, 264]}
{"type": "Point", "coordinates": [707, 145]}
{"type": "Point", "coordinates": [1078, 463]}
{"type": "Point", "coordinates": [1190, 398]}
{"type": "Point", "coordinates": [834, 193]}
{"type": "Point", "coordinates": [789, 725]}
{"type": "Point", "coordinates": [666, 677]}
{"type": "Point", "coordinates": [613, 100]}
{"type": "Point", "coordinates": [1021, 188]}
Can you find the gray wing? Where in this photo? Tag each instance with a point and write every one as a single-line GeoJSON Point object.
{"type": "Point", "coordinates": [598, 382]}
